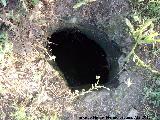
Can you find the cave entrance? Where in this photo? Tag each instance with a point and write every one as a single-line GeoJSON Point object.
{"type": "Point", "coordinates": [79, 58]}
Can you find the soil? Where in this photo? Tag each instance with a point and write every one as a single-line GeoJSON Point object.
{"type": "Point", "coordinates": [37, 79]}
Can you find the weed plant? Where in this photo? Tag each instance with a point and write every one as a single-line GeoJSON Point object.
{"type": "Point", "coordinates": [145, 18]}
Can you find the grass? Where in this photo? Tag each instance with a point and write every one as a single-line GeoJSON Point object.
{"type": "Point", "coordinates": [145, 19]}
{"type": "Point", "coordinates": [152, 95]}
{"type": "Point", "coordinates": [147, 9]}
{"type": "Point", "coordinates": [153, 92]}
{"type": "Point", "coordinates": [34, 2]}
{"type": "Point", "coordinates": [143, 34]}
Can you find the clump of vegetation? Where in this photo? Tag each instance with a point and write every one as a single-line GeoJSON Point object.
{"type": "Point", "coordinates": [142, 34]}
{"type": "Point", "coordinates": [145, 19]}
{"type": "Point", "coordinates": [153, 9]}
{"type": "Point", "coordinates": [94, 87]}
{"type": "Point", "coordinates": [152, 95]}
{"type": "Point", "coordinates": [147, 8]}
{"type": "Point", "coordinates": [153, 91]}
{"type": "Point", "coordinates": [34, 2]}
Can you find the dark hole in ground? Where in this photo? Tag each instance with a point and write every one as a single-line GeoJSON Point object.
{"type": "Point", "coordinates": [79, 58]}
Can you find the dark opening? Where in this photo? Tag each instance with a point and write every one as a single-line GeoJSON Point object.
{"type": "Point", "coordinates": [79, 58]}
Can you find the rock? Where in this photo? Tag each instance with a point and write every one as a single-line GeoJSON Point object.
{"type": "Point", "coordinates": [133, 112]}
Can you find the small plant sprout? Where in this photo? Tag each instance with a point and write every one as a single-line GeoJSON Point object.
{"type": "Point", "coordinates": [95, 86]}
{"type": "Point", "coordinates": [35, 2]}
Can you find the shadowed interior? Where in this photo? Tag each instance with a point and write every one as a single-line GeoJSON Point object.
{"type": "Point", "coordinates": [79, 58]}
